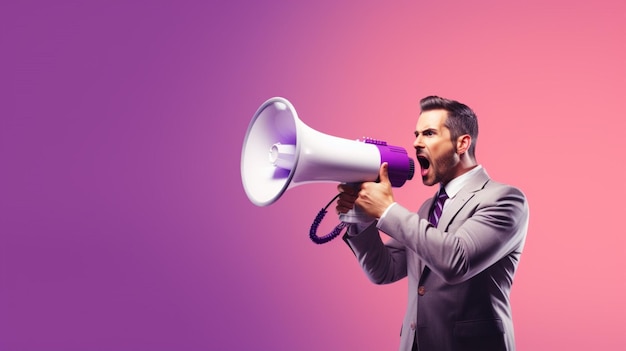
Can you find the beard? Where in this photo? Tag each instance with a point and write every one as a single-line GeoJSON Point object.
{"type": "Point", "coordinates": [441, 169]}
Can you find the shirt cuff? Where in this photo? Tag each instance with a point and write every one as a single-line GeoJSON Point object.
{"type": "Point", "coordinates": [387, 210]}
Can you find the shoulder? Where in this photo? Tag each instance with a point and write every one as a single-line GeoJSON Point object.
{"type": "Point", "coordinates": [503, 189]}
{"type": "Point", "coordinates": [491, 186]}
{"type": "Point", "coordinates": [503, 201]}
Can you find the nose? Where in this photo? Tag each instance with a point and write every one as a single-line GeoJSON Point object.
{"type": "Point", "coordinates": [417, 143]}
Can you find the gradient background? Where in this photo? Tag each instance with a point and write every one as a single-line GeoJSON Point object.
{"type": "Point", "coordinates": [123, 221]}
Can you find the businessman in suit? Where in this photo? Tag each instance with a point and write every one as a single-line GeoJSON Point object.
{"type": "Point", "coordinates": [459, 251]}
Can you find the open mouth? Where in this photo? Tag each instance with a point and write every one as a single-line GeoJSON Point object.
{"type": "Point", "coordinates": [424, 164]}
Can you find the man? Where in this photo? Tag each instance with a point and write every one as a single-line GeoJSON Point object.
{"type": "Point", "coordinates": [459, 251]}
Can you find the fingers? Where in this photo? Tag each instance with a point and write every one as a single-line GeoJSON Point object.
{"type": "Point", "coordinates": [344, 206]}
{"type": "Point", "coordinates": [347, 197]}
{"type": "Point", "coordinates": [345, 202]}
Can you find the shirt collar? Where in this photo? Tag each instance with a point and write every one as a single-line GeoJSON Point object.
{"type": "Point", "coordinates": [456, 184]}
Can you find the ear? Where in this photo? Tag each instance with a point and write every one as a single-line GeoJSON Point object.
{"type": "Point", "coordinates": [463, 143]}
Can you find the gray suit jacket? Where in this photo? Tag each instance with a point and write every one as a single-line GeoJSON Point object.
{"type": "Point", "coordinates": [460, 273]}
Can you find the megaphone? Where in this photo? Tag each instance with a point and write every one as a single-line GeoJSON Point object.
{"type": "Point", "coordinates": [281, 152]}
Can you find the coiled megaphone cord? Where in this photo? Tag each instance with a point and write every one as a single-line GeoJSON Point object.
{"type": "Point", "coordinates": [318, 219]}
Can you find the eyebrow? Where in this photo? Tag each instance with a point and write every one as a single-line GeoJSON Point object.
{"type": "Point", "coordinates": [417, 133]}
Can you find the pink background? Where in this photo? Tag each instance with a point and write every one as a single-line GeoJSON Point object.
{"type": "Point", "coordinates": [123, 221]}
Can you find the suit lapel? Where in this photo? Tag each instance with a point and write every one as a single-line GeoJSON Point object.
{"type": "Point", "coordinates": [475, 183]}
{"type": "Point", "coordinates": [453, 208]}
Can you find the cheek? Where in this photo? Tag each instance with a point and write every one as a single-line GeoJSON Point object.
{"type": "Point", "coordinates": [437, 150]}
{"type": "Point", "coordinates": [443, 156]}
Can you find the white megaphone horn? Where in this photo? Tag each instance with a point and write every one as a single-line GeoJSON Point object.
{"type": "Point", "coordinates": [281, 152]}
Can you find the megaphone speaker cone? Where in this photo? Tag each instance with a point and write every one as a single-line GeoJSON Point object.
{"type": "Point", "coordinates": [280, 152]}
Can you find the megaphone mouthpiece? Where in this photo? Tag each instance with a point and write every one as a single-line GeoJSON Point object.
{"type": "Point", "coordinates": [283, 156]}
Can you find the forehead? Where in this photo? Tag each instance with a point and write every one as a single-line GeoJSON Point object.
{"type": "Point", "coordinates": [432, 119]}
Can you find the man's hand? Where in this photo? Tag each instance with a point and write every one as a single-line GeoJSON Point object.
{"type": "Point", "coordinates": [373, 197]}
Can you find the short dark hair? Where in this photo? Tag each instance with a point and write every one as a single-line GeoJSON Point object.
{"type": "Point", "coordinates": [461, 119]}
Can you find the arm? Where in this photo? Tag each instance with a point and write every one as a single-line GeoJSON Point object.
{"type": "Point", "coordinates": [382, 263]}
{"type": "Point", "coordinates": [488, 229]}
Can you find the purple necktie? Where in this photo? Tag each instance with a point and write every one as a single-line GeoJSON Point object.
{"type": "Point", "coordinates": [435, 214]}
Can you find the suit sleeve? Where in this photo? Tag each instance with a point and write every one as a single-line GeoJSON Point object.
{"type": "Point", "coordinates": [383, 263]}
{"type": "Point", "coordinates": [486, 231]}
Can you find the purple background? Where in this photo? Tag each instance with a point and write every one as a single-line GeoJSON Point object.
{"type": "Point", "coordinates": [123, 221]}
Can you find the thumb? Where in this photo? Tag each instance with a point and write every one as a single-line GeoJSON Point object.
{"type": "Point", "coordinates": [383, 173]}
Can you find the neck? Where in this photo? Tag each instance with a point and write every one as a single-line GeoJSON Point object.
{"type": "Point", "coordinates": [465, 165]}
